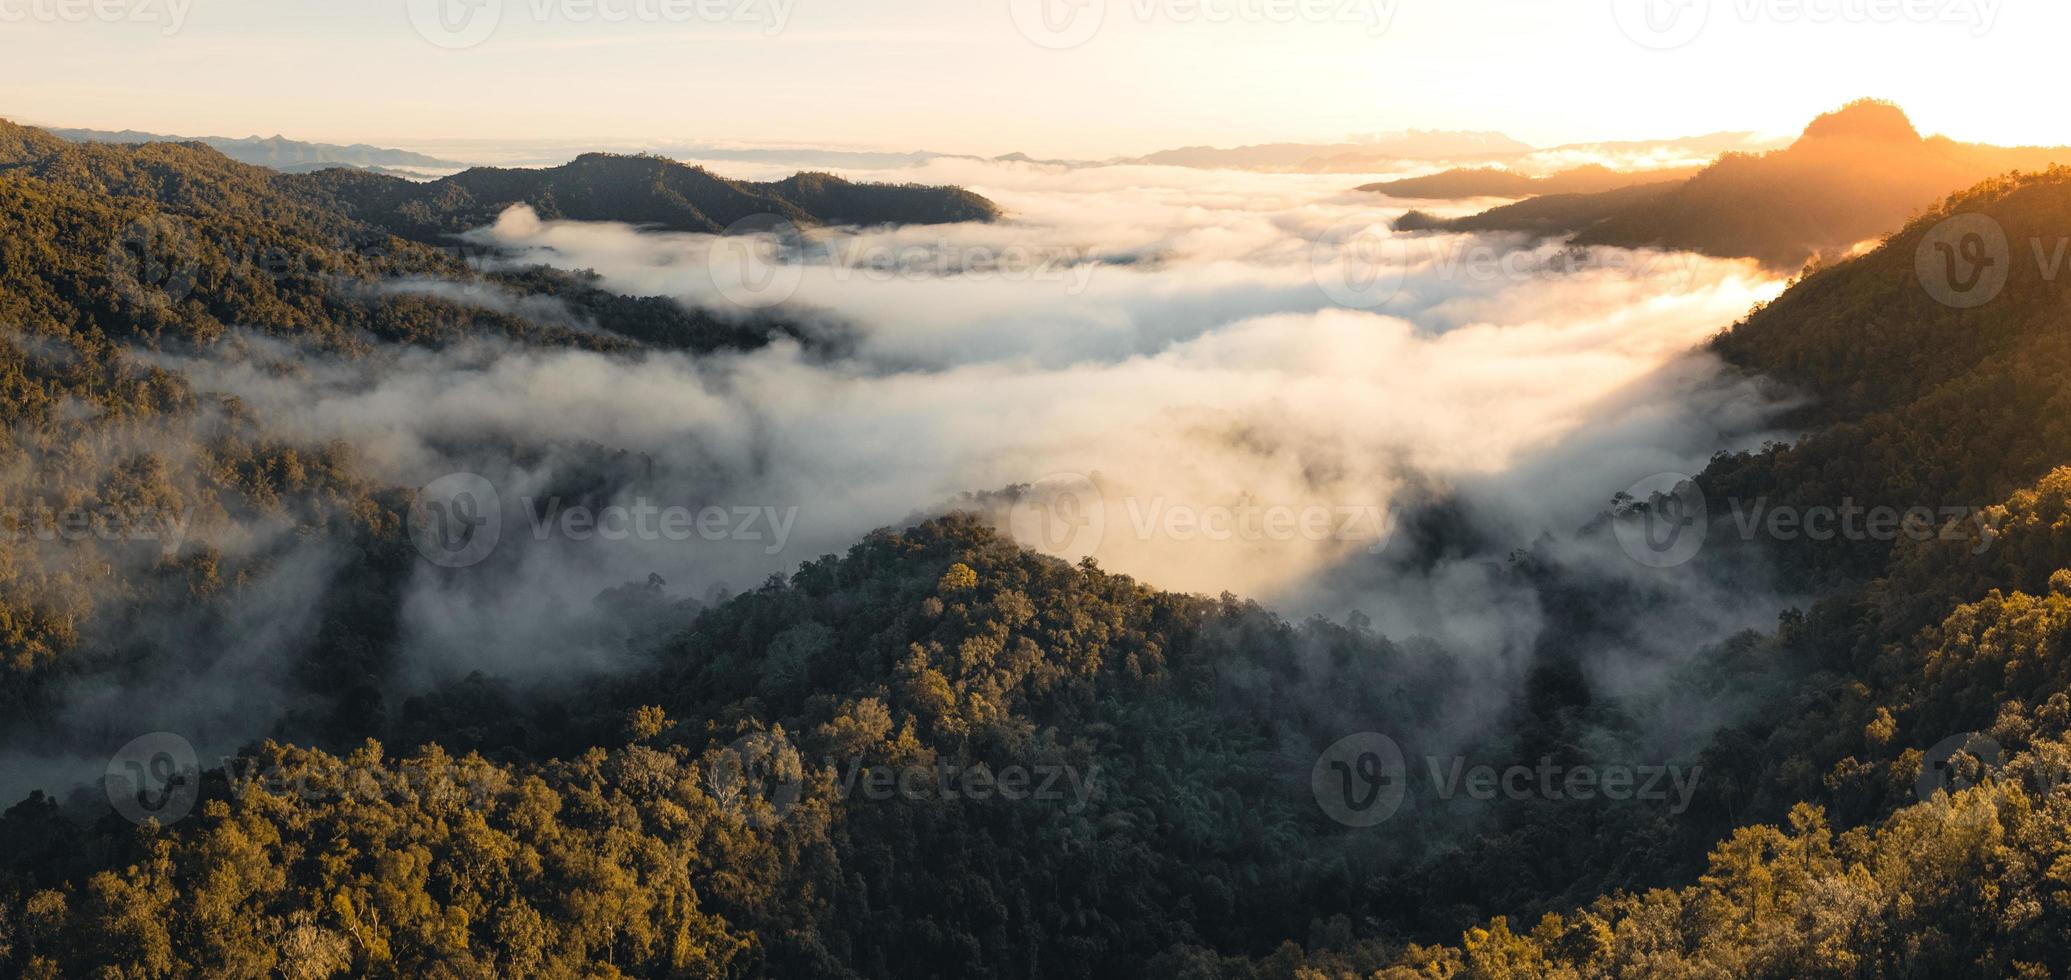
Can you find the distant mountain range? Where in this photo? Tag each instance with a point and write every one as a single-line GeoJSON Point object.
{"type": "Point", "coordinates": [277, 152]}
{"type": "Point", "coordinates": [1406, 151]}
{"type": "Point", "coordinates": [1854, 176]}
{"type": "Point", "coordinates": [1397, 152]}
{"type": "Point", "coordinates": [1411, 145]}
{"type": "Point", "coordinates": [1465, 182]}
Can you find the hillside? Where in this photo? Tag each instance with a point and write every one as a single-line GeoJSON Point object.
{"type": "Point", "coordinates": [1466, 182]}
{"type": "Point", "coordinates": [1547, 215]}
{"type": "Point", "coordinates": [1851, 867]}
{"type": "Point", "coordinates": [481, 827]}
{"type": "Point", "coordinates": [641, 190]}
{"type": "Point", "coordinates": [1854, 175]}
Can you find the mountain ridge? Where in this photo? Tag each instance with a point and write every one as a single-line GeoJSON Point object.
{"type": "Point", "coordinates": [1855, 174]}
{"type": "Point", "coordinates": [277, 151]}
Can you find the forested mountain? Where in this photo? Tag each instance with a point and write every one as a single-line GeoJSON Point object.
{"type": "Point", "coordinates": [1164, 824]}
{"type": "Point", "coordinates": [1465, 182]}
{"type": "Point", "coordinates": [1856, 174]}
{"type": "Point", "coordinates": [1963, 631]}
{"type": "Point", "coordinates": [640, 190]}
{"type": "Point", "coordinates": [1547, 215]}
{"type": "Point", "coordinates": [107, 251]}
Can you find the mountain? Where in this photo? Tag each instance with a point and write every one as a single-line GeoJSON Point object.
{"type": "Point", "coordinates": [1853, 176]}
{"type": "Point", "coordinates": [763, 788]}
{"type": "Point", "coordinates": [1465, 182]}
{"type": "Point", "coordinates": [1925, 763]}
{"type": "Point", "coordinates": [1547, 215]}
{"type": "Point", "coordinates": [242, 246]}
{"type": "Point", "coordinates": [1403, 151]}
{"type": "Point", "coordinates": [277, 152]}
{"type": "Point", "coordinates": [643, 190]}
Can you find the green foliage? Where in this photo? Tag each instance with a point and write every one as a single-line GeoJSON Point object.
{"type": "Point", "coordinates": [710, 812]}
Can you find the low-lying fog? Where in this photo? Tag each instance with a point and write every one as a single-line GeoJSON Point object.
{"type": "Point", "coordinates": [1212, 380]}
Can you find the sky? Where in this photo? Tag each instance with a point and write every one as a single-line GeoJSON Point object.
{"type": "Point", "coordinates": [1053, 78]}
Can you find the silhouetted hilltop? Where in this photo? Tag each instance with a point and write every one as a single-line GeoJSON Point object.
{"type": "Point", "coordinates": [1856, 174]}
{"type": "Point", "coordinates": [1549, 214]}
{"type": "Point", "coordinates": [1465, 182]}
{"type": "Point", "coordinates": [643, 190]}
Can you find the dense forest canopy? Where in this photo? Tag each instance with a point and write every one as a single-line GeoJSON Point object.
{"type": "Point", "coordinates": [942, 754]}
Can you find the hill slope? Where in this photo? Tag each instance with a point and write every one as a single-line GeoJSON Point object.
{"type": "Point", "coordinates": [639, 190]}
{"type": "Point", "coordinates": [1465, 182]}
{"type": "Point", "coordinates": [1856, 174]}
{"type": "Point", "coordinates": [710, 811]}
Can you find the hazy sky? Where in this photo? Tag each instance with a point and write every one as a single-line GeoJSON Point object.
{"type": "Point", "coordinates": [1083, 78]}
